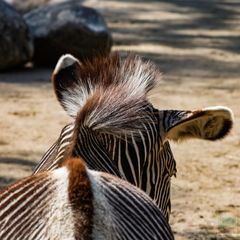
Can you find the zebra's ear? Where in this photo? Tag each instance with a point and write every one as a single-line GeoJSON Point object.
{"type": "Point", "coordinates": [64, 78]}
{"type": "Point", "coordinates": [211, 123]}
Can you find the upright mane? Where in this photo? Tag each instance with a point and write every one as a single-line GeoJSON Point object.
{"type": "Point", "coordinates": [132, 74]}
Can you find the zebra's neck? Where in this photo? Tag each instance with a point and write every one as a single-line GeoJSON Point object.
{"type": "Point", "coordinates": [87, 145]}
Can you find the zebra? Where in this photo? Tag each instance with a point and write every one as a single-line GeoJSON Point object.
{"type": "Point", "coordinates": [144, 158]}
{"type": "Point", "coordinates": [74, 202]}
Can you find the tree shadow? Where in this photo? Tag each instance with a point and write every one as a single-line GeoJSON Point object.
{"type": "Point", "coordinates": [6, 180]}
{"type": "Point", "coordinates": [192, 25]}
{"type": "Point", "coordinates": [26, 76]}
{"type": "Point", "coordinates": [17, 161]}
{"type": "Point", "coordinates": [207, 235]}
{"type": "Point", "coordinates": [202, 15]}
{"type": "Point", "coordinates": [193, 66]}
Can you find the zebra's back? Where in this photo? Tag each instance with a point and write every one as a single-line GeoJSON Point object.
{"type": "Point", "coordinates": [75, 203]}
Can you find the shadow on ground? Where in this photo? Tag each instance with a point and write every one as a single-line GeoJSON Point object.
{"type": "Point", "coordinates": [207, 235]}
{"type": "Point", "coordinates": [5, 181]}
{"type": "Point", "coordinates": [18, 161]}
{"type": "Point", "coordinates": [34, 76]}
{"type": "Point", "coordinates": [174, 31]}
{"type": "Point", "coordinates": [21, 163]}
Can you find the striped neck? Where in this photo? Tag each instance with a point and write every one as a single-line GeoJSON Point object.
{"type": "Point", "coordinates": [87, 145]}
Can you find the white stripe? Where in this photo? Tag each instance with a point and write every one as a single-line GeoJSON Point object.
{"type": "Point", "coordinates": [130, 161]}
{"type": "Point", "coordinates": [138, 158]}
{"type": "Point", "coordinates": [119, 162]}
{"type": "Point", "coordinates": [60, 218]}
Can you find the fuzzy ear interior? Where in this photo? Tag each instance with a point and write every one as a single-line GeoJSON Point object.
{"type": "Point", "coordinates": [211, 123]}
{"type": "Point", "coordinates": [64, 78]}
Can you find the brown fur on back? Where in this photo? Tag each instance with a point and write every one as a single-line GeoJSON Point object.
{"type": "Point", "coordinates": [80, 197]}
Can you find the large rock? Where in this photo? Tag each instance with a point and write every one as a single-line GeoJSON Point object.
{"type": "Point", "coordinates": [24, 6]}
{"type": "Point", "coordinates": [67, 28]}
{"type": "Point", "coordinates": [16, 45]}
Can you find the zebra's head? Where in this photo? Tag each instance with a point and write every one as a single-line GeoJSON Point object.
{"type": "Point", "coordinates": [210, 123]}
{"type": "Point", "coordinates": [135, 147]}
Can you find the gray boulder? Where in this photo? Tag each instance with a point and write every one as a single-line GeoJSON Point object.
{"type": "Point", "coordinates": [24, 6]}
{"type": "Point", "coordinates": [67, 28]}
{"type": "Point", "coordinates": [16, 44]}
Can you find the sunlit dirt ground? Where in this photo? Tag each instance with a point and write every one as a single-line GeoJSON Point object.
{"type": "Point", "coordinates": [196, 45]}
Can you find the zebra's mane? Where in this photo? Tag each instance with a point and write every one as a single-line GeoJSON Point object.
{"type": "Point", "coordinates": [107, 94]}
{"type": "Point", "coordinates": [133, 74]}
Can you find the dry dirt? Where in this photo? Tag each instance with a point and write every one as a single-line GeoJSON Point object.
{"type": "Point", "coordinates": [196, 44]}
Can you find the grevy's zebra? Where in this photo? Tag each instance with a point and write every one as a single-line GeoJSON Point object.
{"type": "Point", "coordinates": [143, 158]}
{"type": "Point", "coordinates": [73, 202]}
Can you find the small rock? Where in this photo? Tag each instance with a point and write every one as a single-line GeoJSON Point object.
{"type": "Point", "coordinates": [67, 28]}
{"type": "Point", "coordinates": [16, 44]}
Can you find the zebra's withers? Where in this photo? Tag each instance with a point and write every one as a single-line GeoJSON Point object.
{"type": "Point", "coordinates": [73, 202]}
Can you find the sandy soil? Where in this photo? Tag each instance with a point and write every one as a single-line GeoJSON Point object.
{"type": "Point", "coordinates": [196, 45]}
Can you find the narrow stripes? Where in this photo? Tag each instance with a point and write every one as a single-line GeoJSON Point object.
{"type": "Point", "coordinates": [141, 159]}
{"type": "Point", "coordinates": [22, 204]}
{"type": "Point", "coordinates": [135, 216]}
